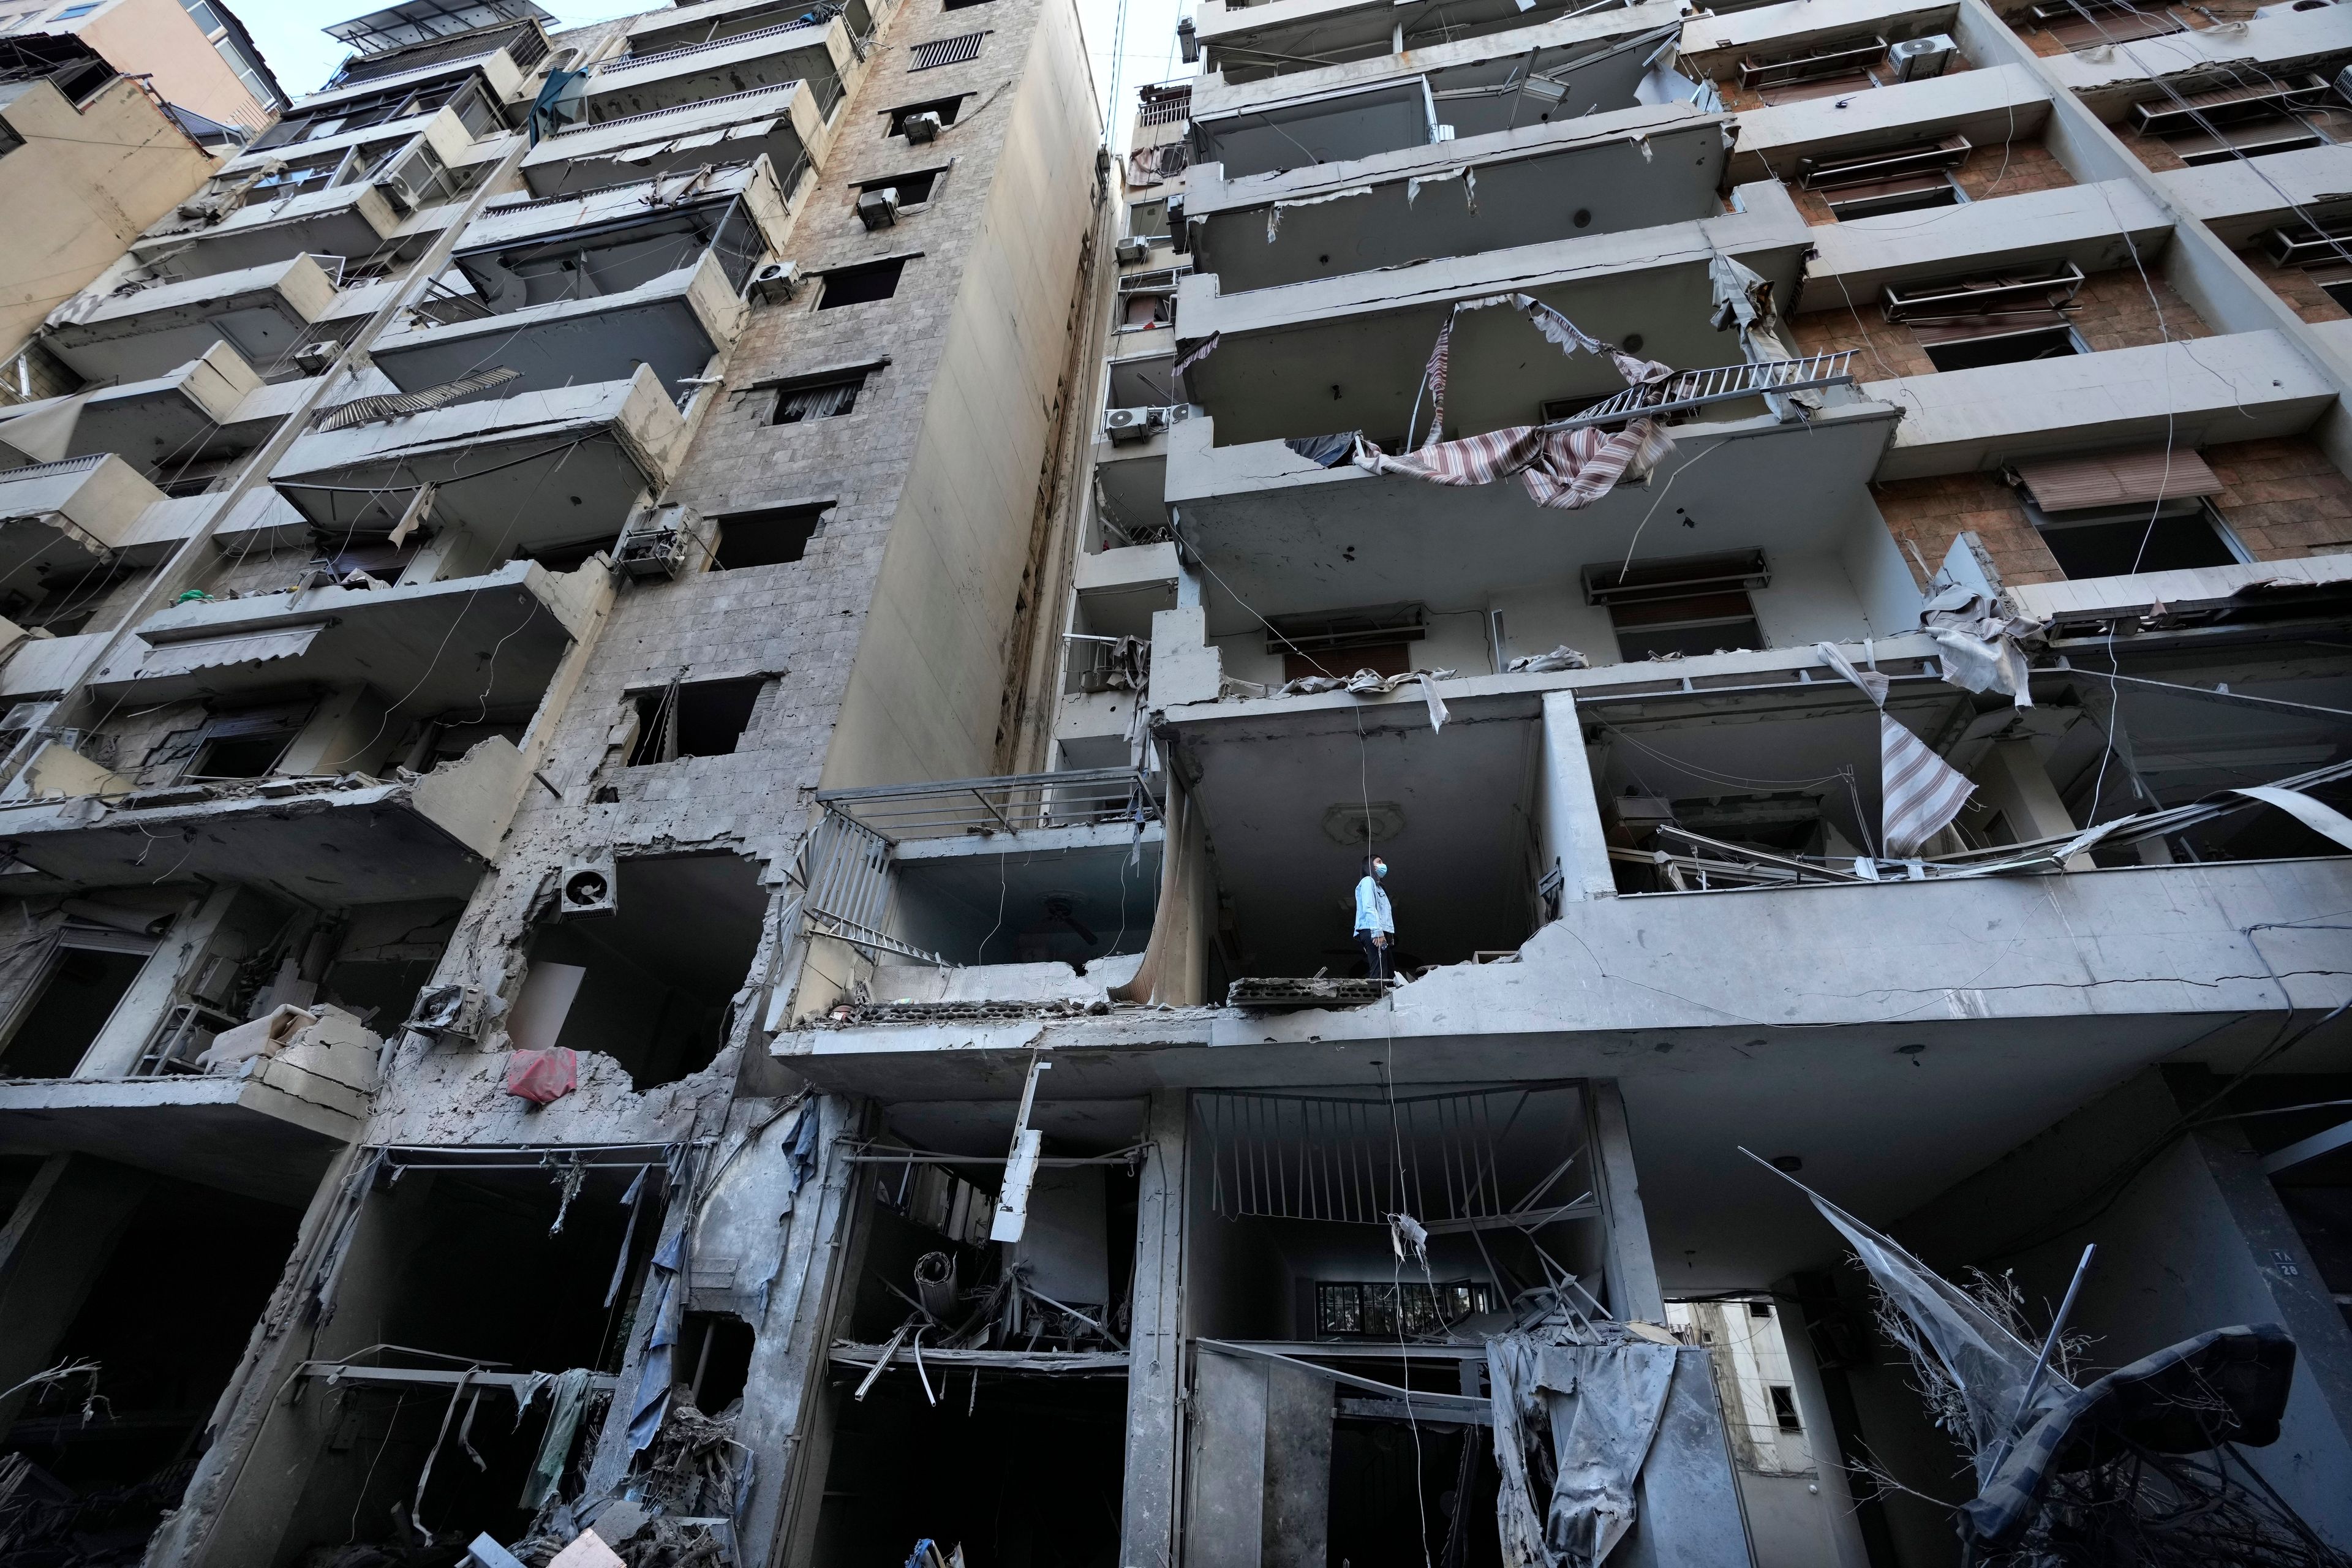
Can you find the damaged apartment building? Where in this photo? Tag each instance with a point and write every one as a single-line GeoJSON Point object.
{"type": "Point", "coordinates": [695, 710]}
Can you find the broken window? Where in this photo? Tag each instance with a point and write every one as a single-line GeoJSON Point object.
{"type": "Point", "coordinates": [84, 978]}
{"type": "Point", "coordinates": [2000, 317]}
{"type": "Point", "coordinates": [1417, 1307]}
{"type": "Point", "coordinates": [242, 744]}
{"type": "Point", "coordinates": [944, 52]}
{"type": "Point", "coordinates": [769, 538]}
{"type": "Point", "coordinates": [862, 284]}
{"type": "Point", "coordinates": [1379, 639]}
{"type": "Point", "coordinates": [1902, 178]}
{"type": "Point", "coordinates": [1686, 605]}
{"type": "Point", "coordinates": [1784, 1408]}
{"type": "Point", "coordinates": [693, 719]}
{"type": "Point", "coordinates": [825, 398]}
{"type": "Point", "coordinates": [1148, 299]}
{"type": "Point", "coordinates": [1147, 220]}
{"type": "Point", "coordinates": [914, 189]}
{"type": "Point", "coordinates": [944, 108]}
{"type": "Point", "coordinates": [650, 983]}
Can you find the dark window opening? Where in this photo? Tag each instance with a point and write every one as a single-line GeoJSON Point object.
{"type": "Point", "coordinates": [693, 719]}
{"type": "Point", "coordinates": [1902, 194]}
{"type": "Point", "coordinates": [945, 108]}
{"type": "Point", "coordinates": [238, 756]}
{"type": "Point", "coordinates": [78, 995]}
{"type": "Point", "coordinates": [1689, 625]}
{"type": "Point", "coordinates": [1997, 344]}
{"type": "Point", "coordinates": [466, 1266]}
{"type": "Point", "coordinates": [769, 538]}
{"type": "Point", "coordinates": [648, 984]}
{"type": "Point", "coordinates": [1405, 1496]}
{"type": "Point", "coordinates": [1784, 1407]}
{"type": "Point", "coordinates": [826, 399]}
{"type": "Point", "coordinates": [108, 1475]}
{"type": "Point", "coordinates": [913, 189]}
{"type": "Point", "coordinates": [1372, 1307]}
{"type": "Point", "coordinates": [959, 5]}
{"type": "Point", "coordinates": [714, 1359]}
{"type": "Point", "coordinates": [861, 284]}
{"type": "Point", "coordinates": [2170, 538]}
{"type": "Point", "coordinates": [1760, 1308]}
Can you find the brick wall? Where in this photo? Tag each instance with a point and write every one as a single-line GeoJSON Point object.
{"type": "Point", "coordinates": [2292, 284]}
{"type": "Point", "coordinates": [2113, 312]}
{"type": "Point", "coordinates": [1991, 171]}
{"type": "Point", "coordinates": [2283, 498]}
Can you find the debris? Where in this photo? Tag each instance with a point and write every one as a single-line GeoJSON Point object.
{"type": "Point", "coordinates": [1599, 1404]}
{"type": "Point", "coordinates": [564, 1409]}
{"type": "Point", "coordinates": [588, 1551]}
{"type": "Point", "coordinates": [1919, 792]}
{"type": "Point", "coordinates": [489, 1554]}
{"type": "Point", "coordinates": [855, 1015]}
{"type": "Point", "coordinates": [542, 1077]}
{"type": "Point", "coordinates": [1561, 657]}
{"type": "Point", "coordinates": [935, 1284]}
{"type": "Point", "coordinates": [1011, 1215]}
{"type": "Point", "coordinates": [1409, 1238]}
{"type": "Point", "coordinates": [1982, 647]}
{"type": "Point", "coordinates": [1277, 995]}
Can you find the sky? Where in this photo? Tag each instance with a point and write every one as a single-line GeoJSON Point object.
{"type": "Point", "coordinates": [303, 56]}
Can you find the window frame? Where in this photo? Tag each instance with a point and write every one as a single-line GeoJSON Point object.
{"type": "Point", "coordinates": [2046, 523]}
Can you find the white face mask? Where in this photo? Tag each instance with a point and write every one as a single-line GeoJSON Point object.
{"type": "Point", "coordinates": [1379, 868]}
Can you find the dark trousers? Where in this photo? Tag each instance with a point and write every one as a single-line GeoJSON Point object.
{"type": "Point", "coordinates": [1375, 957]}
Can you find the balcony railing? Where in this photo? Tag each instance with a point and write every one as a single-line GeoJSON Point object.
{"type": "Point", "coordinates": [1692, 389]}
{"type": "Point", "coordinates": [1010, 804]}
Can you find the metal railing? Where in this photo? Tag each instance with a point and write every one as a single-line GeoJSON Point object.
{"type": "Point", "coordinates": [579, 125]}
{"type": "Point", "coordinates": [630, 62]}
{"type": "Point", "coordinates": [1692, 389]}
{"type": "Point", "coordinates": [1009, 803]}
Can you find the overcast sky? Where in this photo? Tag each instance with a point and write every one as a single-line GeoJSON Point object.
{"type": "Point", "coordinates": [303, 56]}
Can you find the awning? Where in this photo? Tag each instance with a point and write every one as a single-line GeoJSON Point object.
{"type": "Point", "coordinates": [212, 653]}
{"type": "Point", "coordinates": [2117, 479]}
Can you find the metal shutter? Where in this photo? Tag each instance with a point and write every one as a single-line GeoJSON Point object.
{"type": "Point", "coordinates": [945, 52]}
{"type": "Point", "coordinates": [2117, 479]}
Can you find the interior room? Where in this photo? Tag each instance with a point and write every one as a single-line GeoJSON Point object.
{"type": "Point", "coordinates": [1291, 1251]}
{"type": "Point", "coordinates": [112, 1450]}
{"type": "Point", "coordinates": [504, 1262]}
{"type": "Point", "coordinates": [1006, 1435]}
{"type": "Point", "coordinates": [647, 973]}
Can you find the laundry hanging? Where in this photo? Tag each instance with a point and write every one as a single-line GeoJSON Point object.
{"type": "Point", "coordinates": [1919, 792]}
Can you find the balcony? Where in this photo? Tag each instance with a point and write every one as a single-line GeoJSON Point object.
{"type": "Point", "coordinates": [2240, 200]}
{"type": "Point", "coordinates": [534, 470]}
{"type": "Point", "coordinates": [1251, 43]}
{"type": "Point", "coordinates": [583, 288]}
{"type": "Point", "coordinates": [1990, 108]}
{"type": "Point", "coordinates": [194, 414]}
{"type": "Point", "coordinates": [427, 646]}
{"type": "Point", "coordinates": [2096, 227]}
{"type": "Point", "coordinates": [2244, 387]}
{"type": "Point", "coordinates": [138, 334]}
{"type": "Point", "coordinates": [1347, 352]}
{"type": "Point", "coordinates": [2279, 42]}
{"type": "Point", "coordinates": [633, 84]}
{"type": "Point", "coordinates": [1712, 45]}
{"type": "Point", "coordinates": [718, 21]}
{"type": "Point", "coordinates": [267, 1133]}
{"type": "Point", "coordinates": [67, 518]}
{"type": "Point", "coordinates": [780, 121]}
{"type": "Point", "coordinates": [1633, 169]}
{"type": "Point", "coordinates": [1476, 84]}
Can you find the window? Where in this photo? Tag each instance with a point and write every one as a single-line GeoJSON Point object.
{"type": "Point", "coordinates": [76, 994]}
{"type": "Point", "coordinates": [238, 756]}
{"type": "Point", "coordinates": [1997, 342]}
{"type": "Point", "coordinates": [1370, 1307]}
{"type": "Point", "coordinates": [859, 285]}
{"type": "Point", "coordinates": [959, 5]}
{"type": "Point", "coordinates": [1147, 220]}
{"type": "Point", "coordinates": [237, 746]}
{"type": "Point", "coordinates": [945, 108]}
{"type": "Point", "coordinates": [2167, 536]}
{"type": "Point", "coordinates": [769, 538]}
{"type": "Point", "coordinates": [1689, 606]}
{"type": "Point", "coordinates": [1995, 319]}
{"type": "Point", "coordinates": [1760, 1308]}
{"type": "Point", "coordinates": [70, 12]}
{"type": "Point", "coordinates": [944, 52]}
{"type": "Point", "coordinates": [913, 190]}
{"type": "Point", "coordinates": [1379, 639]}
{"type": "Point", "coordinates": [824, 399]}
{"type": "Point", "coordinates": [693, 719]}
{"type": "Point", "coordinates": [1784, 1407]}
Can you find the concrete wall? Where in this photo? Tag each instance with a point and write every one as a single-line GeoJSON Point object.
{"type": "Point", "coordinates": [98, 176]}
{"type": "Point", "coordinates": [159, 39]}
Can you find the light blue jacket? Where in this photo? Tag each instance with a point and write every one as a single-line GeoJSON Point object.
{"type": "Point", "coordinates": [1373, 913]}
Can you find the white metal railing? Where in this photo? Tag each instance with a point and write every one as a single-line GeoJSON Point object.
{"type": "Point", "coordinates": [1691, 389]}
{"type": "Point", "coordinates": [630, 62]}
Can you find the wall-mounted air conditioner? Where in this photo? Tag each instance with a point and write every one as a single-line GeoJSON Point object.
{"type": "Point", "coordinates": [1126, 425]}
{"type": "Point", "coordinates": [878, 209]}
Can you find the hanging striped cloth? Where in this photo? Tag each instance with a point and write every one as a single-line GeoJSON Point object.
{"type": "Point", "coordinates": [1919, 792]}
{"type": "Point", "coordinates": [394, 404]}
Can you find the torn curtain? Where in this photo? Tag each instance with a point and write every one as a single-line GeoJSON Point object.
{"type": "Point", "coordinates": [1600, 1405]}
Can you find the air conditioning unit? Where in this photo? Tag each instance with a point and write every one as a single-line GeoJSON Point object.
{"type": "Point", "coordinates": [662, 542]}
{"type": "Point", "coordinates": [1131, 250]}
{"type": "Point", "coordinates": [1188, 41]}
{"type": "Point", "coordinates": [414, 180]}
{"type": "Point", "coordinates": [921, 127]}
{"type": "Point", "coordinates": [1126, 425]}
{"type": "Point", "coordinates": [1915, 59]}
{"type": "Point", "coordinates": [315, 359]}
{"type": "Point", "coordinates": [586, 890]}
{"type": "Point", "coordinates": [777, 281]}
{"type": "Point", "coordinates": [878, 209]}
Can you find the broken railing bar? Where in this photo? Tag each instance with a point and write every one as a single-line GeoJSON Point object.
{"type": "Point", "coordinates": [927, 1157]}
{"type": "Point", "coordinates": [408, 1377]}
{"type": "Point", "coordinates": [1582, 1208]}
{"type": "Point", "coordinates": [1079, 1362]}
{"type": "Point", "coordinates": [1454, 1402]}
{"type": "Point", "coordinates": [1404, 1410]}
{"type": "Point", "coordinates": [1762, 857]}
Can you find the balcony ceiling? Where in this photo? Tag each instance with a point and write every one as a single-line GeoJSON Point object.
{"type": "Point", "coordinates": [215, 1131]}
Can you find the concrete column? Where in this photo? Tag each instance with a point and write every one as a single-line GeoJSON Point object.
{"type": "Point", "coordinates": [1155, 1375]}
{"type": "Point", "coordinates": [52, 1250]}
{"type": "Point", "coordinates": [1634, 1292]}
{"type": "Point", "coordinates": [2013, 780]}
{"type": "Point", "coordinates": [1570, 825]}
{"type": "Point", "coordinates": [1184, 667]}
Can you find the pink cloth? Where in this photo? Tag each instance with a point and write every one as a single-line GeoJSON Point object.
{"type": "Point", "coordinates": [542, 1077]}
{"type": "Point", "coordinates": [1564, 469]}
